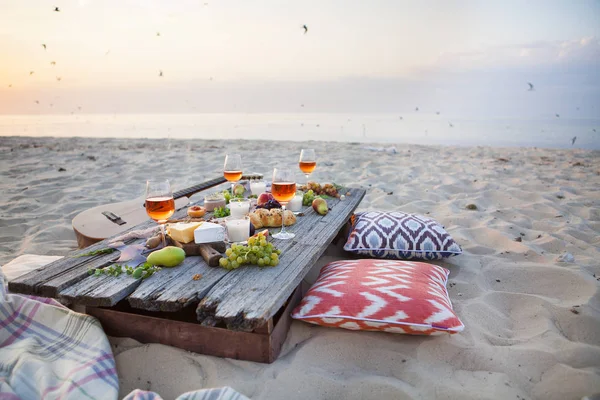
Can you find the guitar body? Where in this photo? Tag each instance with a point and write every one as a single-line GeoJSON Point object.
{"type": "Point", "coordinates": [92, 226]}
{"type": "Point", "coordinates": [104, 221]}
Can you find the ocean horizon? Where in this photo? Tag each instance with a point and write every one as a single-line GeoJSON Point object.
{"type": "Point", "coordinates": [408, 128]}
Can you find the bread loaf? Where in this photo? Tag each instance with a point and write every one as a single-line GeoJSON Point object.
{"type": "Point", "coordinates": [262, 218]}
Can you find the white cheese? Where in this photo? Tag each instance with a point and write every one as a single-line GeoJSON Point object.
{"type": "Point", "coordinates": [209, 232]}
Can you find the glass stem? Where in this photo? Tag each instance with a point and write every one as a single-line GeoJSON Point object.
{"type": "Point", "coordinates": [162, 234]}
{"type": "Point", "coordinates": [282, 219]}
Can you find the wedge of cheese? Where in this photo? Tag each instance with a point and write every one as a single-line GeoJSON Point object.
{"type": "Point", "coordinates": [183, 232]}
{"type": "Point", "coordinates": [209, 233]}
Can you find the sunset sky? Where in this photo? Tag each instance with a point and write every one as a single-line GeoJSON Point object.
{"type": "Point", "coordinates": [254, 56]}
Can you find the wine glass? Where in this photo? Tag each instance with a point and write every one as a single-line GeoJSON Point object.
{"type": "Point", "coordinates": [160, 204]}
{"type": "Point", "coordinates": [232, 171]}
{"type": "Point", "coordinates": [283, 189]}
{"type": "Point", "coordinates": [308, 162]}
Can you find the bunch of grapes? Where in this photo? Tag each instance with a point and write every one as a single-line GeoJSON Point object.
{"type": "Point", "coordinates": [328, 189]}
{"type": "Point", "coordinates": [258, 251]}
{"type": "Point", "coordinates": [272, 203]}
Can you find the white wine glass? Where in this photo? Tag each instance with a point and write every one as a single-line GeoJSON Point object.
{"type": "Point", "coordinates": [160, 204]}
{"type": "Point", "coordinates": [283, 189]}
{"type": "Point", "coordinates": [307, 162]}
{"type": "Point", "coordinates": [232, 170]}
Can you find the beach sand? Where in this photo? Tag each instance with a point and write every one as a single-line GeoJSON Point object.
{"type": "Point", "coordinates": [532, 321]}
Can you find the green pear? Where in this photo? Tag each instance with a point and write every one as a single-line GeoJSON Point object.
{"type": "Point", "coordinates": [169, 256]}
{"type": "Point", "coordinates": [320, 206]}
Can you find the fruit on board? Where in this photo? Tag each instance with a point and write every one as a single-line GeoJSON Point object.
{"type": "Point", "coordinates": [238, 189]}
{"type": "Point", "coordinates": [308, 198]}
{"type": "Point", "coordinates": [169, 256]}
{"type": "Point", "coordinates": [263, 198]}
{"type": "Point", "coordinates": [320, 205]}
{"type": "Point", "coordinates": [264, 233]}
{"type": "Point", "coordinates": [326, 189]}
{"type": "Point", "coordinates": [269, 205]}
{"type": "Point", "coordinates": [196, 211]}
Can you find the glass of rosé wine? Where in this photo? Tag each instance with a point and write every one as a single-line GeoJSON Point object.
{"type": "Point", "coordinates": [283, 189]}
{"type": "Point", "coordinates": [160, 204]}
{"type": "Point", "coordinates": [232, 170]}
{"type": "Point", "coordinates": [308, 162]}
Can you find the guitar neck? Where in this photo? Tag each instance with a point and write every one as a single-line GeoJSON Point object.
{"type": "Point", "coordinates": [208, 184]}
{"type": "Point", "coordinates": [198, 188]}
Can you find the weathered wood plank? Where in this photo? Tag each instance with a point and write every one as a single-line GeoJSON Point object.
{"type": "Point", "coordinates": [173, 288]}
{"type": "Point", "coordinates": [61, 272]}
{"type": "Point", "coordinates": [100, 291]}
{"type": "Point", "coordinates": [246, 298]}
{"type": "Point", "coordinates": [50, 280]}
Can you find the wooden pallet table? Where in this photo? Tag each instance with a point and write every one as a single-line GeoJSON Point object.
{"type": "Point", "coordinates": [242, 314]}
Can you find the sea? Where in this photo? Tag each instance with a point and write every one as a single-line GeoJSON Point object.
{"type": "Point", "coordinates": [414, 128]}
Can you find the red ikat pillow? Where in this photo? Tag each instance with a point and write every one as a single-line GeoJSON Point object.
{"type": "Point", "coordinates": [381, 295]}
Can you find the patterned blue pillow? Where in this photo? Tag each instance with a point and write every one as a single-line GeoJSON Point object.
{"type": "Point", "coordinates": [397, 235]}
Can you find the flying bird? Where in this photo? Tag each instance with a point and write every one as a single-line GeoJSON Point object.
{"type": "Point", "coordinates": [400, 117]}
{"type": "Point", "coordinates": [530, 86]}
{"type": "Point", "coordinates": [305, 28]}
{"type": "Point", "coordinates": [157, 33]}
{"type": "Point", "coordinates": [594, 129]}
{"type": "Point", "coordinates": [37, 102]}
{"type": "Point", "coordinates": [56, 9]}
{"type": "Point", "coordinates": [107, 53]}
{"type": "Point", "coordinates": [450, 124]}
{"type": "Point", "coordinates": [160, 73]}
{"type": "Point", "coordinates": [573, 140]}
{"type": "Point", "coordinates": [52, 62]}
{"type": "Point", "coordinates": [416, 108]}
{"type": "Point", "coordinates": [437, 113]}
{"type": "Point", "coordinates": [44, 46]}
{"type": "Point", "coordinates": [557, 116]}
{"type": "Point", "coordinates": [58, 78]}
{"type": "Point", "coordinates": [10, 85]}
{"type": "Point", "coordinates": [31, 73]}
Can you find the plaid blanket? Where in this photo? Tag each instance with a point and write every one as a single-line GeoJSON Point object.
{"type": "Point", "coordinates": [50, 352]}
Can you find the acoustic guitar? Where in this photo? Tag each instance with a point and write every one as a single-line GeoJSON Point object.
{"type": "Point", "coordinates": [104, 221]}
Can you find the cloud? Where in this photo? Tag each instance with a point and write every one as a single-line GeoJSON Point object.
{"type": "Point", "coordinates": [583, 51]}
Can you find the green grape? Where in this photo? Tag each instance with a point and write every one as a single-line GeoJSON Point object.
{"type": "Point", "coordinates": [274, 263]}
{"type": "Point", "coordinates": [234, 246]}
{"type": "Point", "coordinates": [251, 241]}
{"type": "Point", "coordinates": [223, 262]}
{"type": "Point", "coordinates": [261, 262]}
{"type": "Point", "coordinates": [274, 256]}
{"type": "Point", "coordinates": [240, 260]}
{"type": "Point", "coordinates": [255, 249]}
{"type": "Point", "coordinates": [260, 254]}
{"type": "Point", "coordinates": [267, 260]}
{"type": "Point", "coordinates": [234, 264]}
{"type": "Point", "coordinates": [232, 257]}
{"type": "Point", "coordinates": [228, 252]}
{"type": "Point", "coordinates": [277, 251]}
{"type": "Point", "coordinates": [253, 259]}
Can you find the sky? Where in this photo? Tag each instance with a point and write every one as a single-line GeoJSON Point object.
{"type": "Point", "coordinates": [254, 56]}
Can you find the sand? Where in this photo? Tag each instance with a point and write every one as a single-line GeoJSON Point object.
{"type": "Point", "coordinates": [532, 321]}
